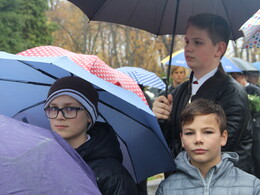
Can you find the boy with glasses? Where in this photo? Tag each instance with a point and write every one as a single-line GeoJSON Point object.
{"type": "Point", "coordinates": [72, 108]}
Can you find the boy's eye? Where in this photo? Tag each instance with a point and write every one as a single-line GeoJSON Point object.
{"type": "Point", "coordinates": [70, 108]}
{"type": "Point", "coordinates": [53, 108]}
{"type": "Point", "coordinates": [198, 42]}
{"type": "Point", "coordinates": [208, 132]}
{"type": "Point", "coordinates": [188, 133]}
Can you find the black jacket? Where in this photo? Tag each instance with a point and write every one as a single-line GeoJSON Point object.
{"type": "Point", "coordinates": [222, 89]}
{"type": "Point", "coordinates": [253, 89]}
{"type": "Point", "coordinates": [256, 144]}
{"type": "Point", "coordinates": [103, 155]}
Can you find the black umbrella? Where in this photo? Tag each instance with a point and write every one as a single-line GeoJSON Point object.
{"type": "Point", "coordinates": [162, 17]}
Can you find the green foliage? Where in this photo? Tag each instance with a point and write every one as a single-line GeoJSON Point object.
{"type": "Point", "coordinates": [254, 103]}
{"type": "Point", "coordinates": [24, 25]}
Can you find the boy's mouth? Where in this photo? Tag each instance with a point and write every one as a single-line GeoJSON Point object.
{"type": "Point", "coordinates": [60, 127]}
{"type": "Point", "coordinates": [189, 58]}
{"type": "Point", "coordinates": [199, 151]}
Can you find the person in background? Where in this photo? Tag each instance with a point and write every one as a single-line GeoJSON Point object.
{"type": "Point", "coordinates": [72, 108]}
{"type": "Point", "coordinates": [202, 168]}
{"type": "Point", "coordinates": [252, 89]}
{"type": "Point", "coordinates": [253, 77]}
{"type": "Point", "coordinates": [207, 37]}
{"type": "Point", "coordinates": [178, 75]}
{"type": "Point", "coordinates": [241, 78]}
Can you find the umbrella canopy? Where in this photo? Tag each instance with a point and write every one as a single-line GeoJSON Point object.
{"type": "Point", "coordinates": [251, 30]}
{"type": "Point", "coordinates": [257, 65]}
{"type": "Point", "coordinates": [162, 17]}
{"type": "Point", "coordinates": [25, 81]}
{"type": "Point", "coordinates": [34, 160]}
{"type": "Point", "coordinates": [158, 16]}
{"type": "Point", "coordinates": [143, 77]}
{"type": "Point", "coordinates": [90, 63]}
{"type": "Point", "coordinates": [178, 59]}
{"type": "Point", "coordinates": [243, 65]}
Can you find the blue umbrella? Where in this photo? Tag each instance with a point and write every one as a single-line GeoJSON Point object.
{"type": "Point", "coordinates": [34, 160]}
{"type": "Point", "coordinates": [143, 77]}
{"type": "Point", "coordinates": [25, 81]}
{"type": "Point", "coordinates": [257, 65]}
{"type": "Point", "coordinates": [178, 59]}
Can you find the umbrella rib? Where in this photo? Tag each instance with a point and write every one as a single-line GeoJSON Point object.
{"type": "Point", "coordinates": [232, 32]}
{"type": "Point", "coordinates": [97, 10]}
{"type": "Point", "coordinates": [39, 70]}
{"type": "Point", "coordinates": [26, 82]}
{"type": "Point", "coordinates": [158, 30]}
{"type": "Point", "coordinates": [122, 140]}
{"type": "Point", "coordinates": [123, 114]}
{"type": "Point", "coordinates": [27, 108]}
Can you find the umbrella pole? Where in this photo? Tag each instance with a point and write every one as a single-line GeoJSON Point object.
{"type": "Point", "coordinates": [171, 48]}
{"type": "Point", "coordinates": [162, 121]}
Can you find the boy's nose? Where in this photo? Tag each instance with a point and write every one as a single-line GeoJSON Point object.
{"type": "Point", "coordinates": [198, 139]}
{"type": "Point", "coordinates": [188, 47]}
{"type": "Point", "coordinates": [60, 115]}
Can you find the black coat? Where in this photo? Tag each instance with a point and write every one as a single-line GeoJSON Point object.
{"type": "Point", "coordinates": [255, 90]}
{"type": "Point", "coordinates": [103, 155]}
{"type": "Point", "coordinates": [222, 89]}
{"type": "Point", "coordinates": [256, 144]}
{"type": "Point", "coordinates": [252, 89]}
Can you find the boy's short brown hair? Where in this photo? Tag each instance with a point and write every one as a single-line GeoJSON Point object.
{"type": "Point", "coordinates": [203, 107]}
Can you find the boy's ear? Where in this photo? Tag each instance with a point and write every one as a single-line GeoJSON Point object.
{"type": "Point", "coordinates": [224, 137]}
{"type": "Point", "coordinates": [221, 49]}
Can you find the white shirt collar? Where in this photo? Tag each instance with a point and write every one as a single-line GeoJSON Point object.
{"type": "Point", "coordinates": [195, 87]}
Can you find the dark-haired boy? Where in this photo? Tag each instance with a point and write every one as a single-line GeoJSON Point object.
{"type": "Point", "coordinates": [202, 168]}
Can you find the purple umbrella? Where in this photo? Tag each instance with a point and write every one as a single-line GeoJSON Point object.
{"type": "Point", "coordinates": [34, 160]}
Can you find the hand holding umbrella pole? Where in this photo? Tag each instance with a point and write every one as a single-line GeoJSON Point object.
{"type": "Point", "coordinates": [162, 121]}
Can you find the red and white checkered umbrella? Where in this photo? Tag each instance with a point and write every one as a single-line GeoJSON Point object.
{"type": "Point", "coordinates": [91, 63]}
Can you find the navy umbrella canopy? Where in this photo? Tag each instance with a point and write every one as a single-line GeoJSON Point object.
{"type": "Point", "coordinates": [24, 84]}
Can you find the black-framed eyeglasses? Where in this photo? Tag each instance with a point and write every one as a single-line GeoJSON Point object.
{"type": "Point", "coordinates": [67, 112]}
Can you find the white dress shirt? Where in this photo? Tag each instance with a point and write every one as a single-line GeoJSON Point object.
{"type": "Point", "coordinates": [195, 87]}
